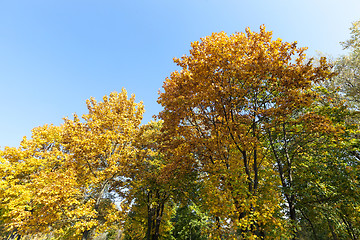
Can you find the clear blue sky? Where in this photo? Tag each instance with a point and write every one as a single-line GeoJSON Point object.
{"type": "Point", "coordinates": [56, 54]}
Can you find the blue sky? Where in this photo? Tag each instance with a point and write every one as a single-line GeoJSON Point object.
{"type": "Point", "coordinates": [56, 54]}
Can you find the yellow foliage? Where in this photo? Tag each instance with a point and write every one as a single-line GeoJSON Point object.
{"type": "Point", "coordinates": [61, 177]}
{"type": "Point", "coordinates": [219, 109]}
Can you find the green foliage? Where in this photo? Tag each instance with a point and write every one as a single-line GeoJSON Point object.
{"type": "Point", "coordinates": [190, 223]}
{"type": "Point", "coordinates": [256, 143]}
{"type": "Point", "coordinates": [348, 69]}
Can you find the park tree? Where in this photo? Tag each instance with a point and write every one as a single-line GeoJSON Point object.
{"type": "Point", "coordinates": [354, 41]}
{"type": "Point", "coordinates": [332, 213]}
{"type": "Point", "coordinates": [36, 187]}
{"type": "Point", "coordinates": [150, 191]}
{"type": "Point", "coordinates": [348, 69]}
{"type": "Point", "coordinates": [321, 168]}
{"type": "Point", "coordinates": [102, 153]}
{"type": "Point", "coordinates": [62, 179]}
{"type": "Point", "coordinates": [190, 222]}
{"type": "Point", "coordinates": [234, 107]}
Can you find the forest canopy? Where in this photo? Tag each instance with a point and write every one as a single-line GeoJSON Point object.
{"type": "Point", "coordinates": [255, 141]}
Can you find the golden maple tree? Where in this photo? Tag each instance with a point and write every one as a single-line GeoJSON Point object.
{"type": "Point", "coordinates": [230, 91]}
{"type": "Point", "coordinates": [151, 192]}
{"type": "Point", "coordinates": [61, 180]}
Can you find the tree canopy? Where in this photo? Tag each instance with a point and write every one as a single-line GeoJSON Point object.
{"type": "Point", "coordinates": [255, 141]}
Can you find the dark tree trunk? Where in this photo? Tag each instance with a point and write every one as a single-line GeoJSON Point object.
{"type": "Point", "coordinates": [159, 213]}
{"type": "Point", "coordinates": [155, 213]}
{"type": "Point", "coordinates": [86, 235]}
{"type": "Point", "coordinates": [292, 209]}
{"type": "Point", "coordinates": [149, 222]}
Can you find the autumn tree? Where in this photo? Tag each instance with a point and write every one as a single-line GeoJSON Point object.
{"type": "Point", "coordinates": [229, 107]}
{"type": "Point", "coordinates": [102, 151]}
{"type": "Point", "coordinates": [36, 187]}
{"type": "Point", "coordinates": [315, 143]}
{"type": "Point", "coordinates": [62, 179]}
{"type": "Point", "coordinates": [328, 205]}
{"type": "Point", "coordinates": [156, 189]}
{"type": "Point", "coordinates": [348, 68]}
{"type": "Point", "coordinates": [190, 222]}
{"type": "Point", "coordinates": [149, 191]}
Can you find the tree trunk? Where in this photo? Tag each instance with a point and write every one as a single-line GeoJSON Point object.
{"type": "Point", "coordinates": [159, 213]}
{"type": "Point", "coordinates": [292, 209]}
{"type": "Point", "coordinates": [149, 222]}
{"type": "Point", "coordinates": [86, 235]}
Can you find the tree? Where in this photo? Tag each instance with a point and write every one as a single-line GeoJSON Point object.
{"type": "Point", "coordinates": [102, 153]}
{"type": "Point", "coordinates": [29, 183]}
{"type": "Point", "coordinates": [317, 151]}
{"type": "Point", "coordinates": [62, 179]}
{"type": "Point", "coordinates": [190, 223]}
{"type": "Point", "coordinates": [226, 106]}
{"type": "Point", "coordinates": [348, 68]}
{"type": "Point", "coordinates": [150, 191]}
{"type": "Point", "coordinates": [329, 205]}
